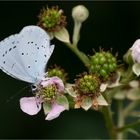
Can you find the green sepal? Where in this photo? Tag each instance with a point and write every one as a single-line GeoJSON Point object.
{"type": "Point", "coordinates": [86, 103]}
{"type": "Point", "coordinates": [47, 107]}
{"type": "Point", "coordinates": [62, 100]}
{"type": "Point", "coordinates": [62, 35]}
{"type": "Point", "coordinates": [101, 100]}
{"type": "Point", "coordinates": [128, 57]}
{"type": "Point", "coordinates": [69, 89]}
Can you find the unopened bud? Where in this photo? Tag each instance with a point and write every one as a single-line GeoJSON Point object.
{"type": "Point", "coordinates": [80, 13]}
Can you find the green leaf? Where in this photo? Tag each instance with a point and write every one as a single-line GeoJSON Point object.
{"type": "Point", "coordinates": [69, 89]}
{"type": "Point", "coordinates": [133, 94]}
{"type": "Point", "coordinates": [101, 101]}
{"type": "Point", "coordinates": [62, 100]}
{"type": "Point", "coordinates": [86, 103]}
{"type": "Point", "coordinates": [132, 131]}
{"type": "Point", "coordinates": [62, 35]}
{"type": "Point", "coordinates": [47, 107]}
{"type": "Point", "coordinates": [136, 69]}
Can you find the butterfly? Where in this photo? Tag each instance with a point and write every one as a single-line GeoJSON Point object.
{"type": "Point", "coordinates": [24, 55]}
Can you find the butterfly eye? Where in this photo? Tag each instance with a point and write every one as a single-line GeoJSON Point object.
{"type": "Point", "coordinates": [34, 88]}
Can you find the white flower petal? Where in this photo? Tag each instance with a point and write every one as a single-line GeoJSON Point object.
{"type": "Point", "coordinates": [55, 112]}
{"type": "Point", "coordinates": [103, 87]}
{"type": "Point", "coordinates": [30, 105]}
{"type": "Point", "coordinates": [54, 80]}
{"type": "Point", "coordinates": [136, 69]}
{"type": "Point", "coordinates": [136, 51]}
{"type": "Point", "coordinates": [101, 100]}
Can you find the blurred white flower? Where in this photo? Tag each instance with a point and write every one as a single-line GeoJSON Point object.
{"type": "Point", "coordinates": [136, 51]}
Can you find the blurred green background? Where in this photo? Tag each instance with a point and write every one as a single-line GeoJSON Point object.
{"type": "Point", "coordinates": [110, 25]}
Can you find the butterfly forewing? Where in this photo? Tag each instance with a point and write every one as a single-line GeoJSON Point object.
{"type": "Point", "coordinates": [25, 55]}
{"type": "Point", "coordinates": [35, 50]}
{"type": "Point", "coordinates": [9, 58]}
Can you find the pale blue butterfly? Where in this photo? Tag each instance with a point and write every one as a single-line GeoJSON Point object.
{"type": "Point", "coordinates": [24, 56]}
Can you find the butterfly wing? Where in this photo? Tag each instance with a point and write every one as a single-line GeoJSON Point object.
{"type": "Point", "coordinates": [24, 56]}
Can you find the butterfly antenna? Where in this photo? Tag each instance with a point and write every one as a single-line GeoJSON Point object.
{"type": "Point", "coordinates": [13, 96]}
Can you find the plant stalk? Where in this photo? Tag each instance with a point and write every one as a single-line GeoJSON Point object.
{"type": "Point", "coordinates": [109, 122]}
{"type": "Point", "coordinates": [131, 125]}
{"type": "Point", "coordinates": [130, 107]}
{"type": "Point", "coordinates": [121, 119]}
{"type": "Point", "coordinates": [79, 54]}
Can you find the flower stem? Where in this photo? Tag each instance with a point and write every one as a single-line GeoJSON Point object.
{"type": "Point", "coordinates": [109, 122]}
{"type": "Point", "coordinates": [80, 54]}
{"type": "Point", "coordinates": [131, 125]}
{"type": "Point", "coordinates": [76, 32]}
{"type": "Point", "coordinates": [130, 107]}
{"type": "Point", "coordinates": [121, 119]}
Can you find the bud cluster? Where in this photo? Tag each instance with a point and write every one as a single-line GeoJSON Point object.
{"type": "Point", "coordinates": [52, 19]}
{"type": "Point", "coordinates": [48, 93]}
{"type": "Point", "coordinates": [103, 64]}
{"type": "Point", "coordinates": [59, 72]}
{"type": "Point", "coordinates": [88, 84]}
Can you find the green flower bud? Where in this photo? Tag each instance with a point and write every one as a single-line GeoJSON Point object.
{"type": "Point", "coordinates": [52, 19]}
{"type": "Point", "coordinates": [80, 13]}
{"type": "Point", "coordinates": [88, 84]}
{"type": "Point", "coordinates": [59, 72]}
{"type": "Point", "coordinates": [103, 64]}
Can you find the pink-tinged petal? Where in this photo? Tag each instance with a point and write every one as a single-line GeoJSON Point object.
{"type": "Point", "coordinates": [30, 105]}
{"type": "Point", "coordinates": [55, 112]}
{"type": "Point", "coordinates": [136, 51]}
{"type": "Point", "coordinates": [54, 80]}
